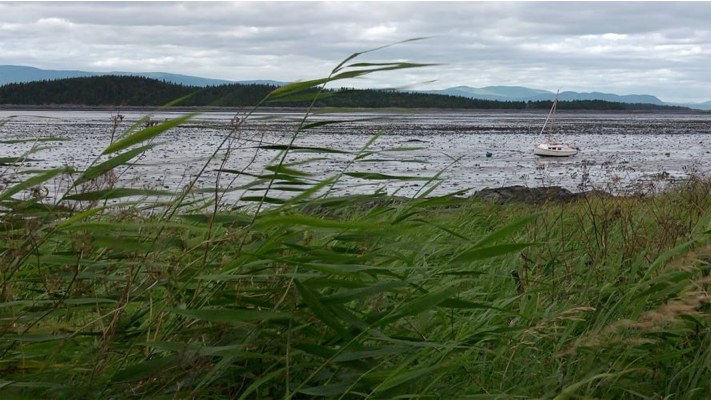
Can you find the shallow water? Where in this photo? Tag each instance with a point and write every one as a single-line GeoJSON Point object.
{"type": "Point", "coordinates": [619, 150]}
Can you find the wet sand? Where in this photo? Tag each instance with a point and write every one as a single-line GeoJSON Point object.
{"type": "Point", "coordinates": [620, 151]}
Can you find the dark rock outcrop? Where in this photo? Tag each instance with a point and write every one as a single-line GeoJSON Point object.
{"type": "Point", "coordinates": [529, 195]}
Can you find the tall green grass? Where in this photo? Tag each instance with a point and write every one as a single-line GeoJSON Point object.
{"type": "Point", "coordinates": [109, 292]}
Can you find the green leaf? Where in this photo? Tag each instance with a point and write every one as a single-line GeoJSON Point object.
{"type": "Point", "coordinates": [110, 164]}
{"type": "Point", "coordinates": [85, 301]}
{"type": "Point", "coordinates": [569, 391]}
{"type": "Point", "coordinates": [451, 232]}
{"type": "Point", "coordinates": [384, 160]}
{"type": "Point", "coordinates": [14, 160]}
{"type": "Point", "coordinates": [43, 139]}
{"type": "Point", "coordinates": [370, 353]}
{"type": "Point", "coordinates": [296, 87]}
{"type": "Point", "coordinates": [671, 253]}
{"type": "Point", "coordinates": [124, 226]}
{"type": "Point", "coordinates": [507, 230]}
{"type": "Point", "coordinates": [359, 293]}
{"type": "Point", "coordinates": [6, 120]}
{"type": "Point", "coordinates": [123, 244]}
{"type": "Point", "coordinates": [67, 259]}
{"type": "Point", "coordinates": [302, 148]}
{"type": "Point", "coordinates": [419, 305]}
{"type": "Point", "coordinates": [457, 303]}
{"type": "Point", "coordinates": [370, 64]}
{"type": "Point", "coordinates": [281, 169]}
{"type": "Point", "coordinates": [308, 192]}
{"type": "Point", "coordinates": [320, 310]}
{"type": "Point", "coordinates": [366, 71]}
{"type": "Point", "coordinates": [148, 117]}
{"type": "Point", "coordinates": [379, 176]}
{"type": "Point", "coordinates": [330, 390]}
{"type": "Point", "coordinates": [219, 218]}
{"type": "Point", "coordinates": [470, 305]}
{"type": "Point", "coordinates": [146, 134]}
{"type": "Point", "coordinates": [230, 315]}
{"type": "Point", "coordinates": [27, 385]}
{"type": "Point", "coordinates": [407, 376]}
{"type": "Point", "coordinates": [144, 369]}
{"type": "Point", "coordinates": [335, 122]}
{"type": "Point", "coordinates": [265, 199]}
{"type": "Point", "coordinates": [33, 338]}
{"type": "Point", "coordinates": [492, 251]}
{"type": "Point", "coordinates": [259, 382]}
{"type": "Point", "coordinates": [358, 54]}
{"type": "Point", "coordinates": [208, 351]}
{"type": "Point", "coordinates": [346, 269]}
{"type": "Point", "coordinates": [116, 193]}
{"type": "Point", "coordinates": [34, 181]}
{"type": "Point", "coordinates": [404, 149]}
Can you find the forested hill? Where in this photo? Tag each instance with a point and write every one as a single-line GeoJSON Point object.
{"type": "Point", "coordinates": [139, 91]}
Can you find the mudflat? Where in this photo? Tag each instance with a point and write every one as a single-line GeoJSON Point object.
{"type": "Point", "coordinates": [620, 151]}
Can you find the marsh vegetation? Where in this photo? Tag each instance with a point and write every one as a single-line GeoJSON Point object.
{"type": "Point", "coordinates": [111, 291]}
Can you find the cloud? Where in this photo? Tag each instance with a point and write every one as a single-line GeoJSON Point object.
{"type": "Point", "coordinates": [657, 48]}
{"type": "Point", "coordinates": [614, 36]}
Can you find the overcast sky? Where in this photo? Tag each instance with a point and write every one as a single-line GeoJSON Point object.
{"type": "Point", "coordinates": [663, 49]}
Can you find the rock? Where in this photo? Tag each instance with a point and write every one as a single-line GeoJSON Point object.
{"type": "Point", "coordinates": [662, 175]}
{"type": "Point", "coordinates": [528, 195]}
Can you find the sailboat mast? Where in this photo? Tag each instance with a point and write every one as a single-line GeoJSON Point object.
{"type": "Point", "coordinates": [553, 110]}
{"type": "Point", "coordinates": [547, 119]}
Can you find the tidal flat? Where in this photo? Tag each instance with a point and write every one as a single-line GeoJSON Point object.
{"type": "Point", "coordinates": [620, 152]}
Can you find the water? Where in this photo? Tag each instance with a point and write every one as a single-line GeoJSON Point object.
{"type": "Point", "coordinates": [619, 150]}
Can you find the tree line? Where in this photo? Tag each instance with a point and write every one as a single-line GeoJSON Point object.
{"type": "Point", "coordinates": [112, 90]}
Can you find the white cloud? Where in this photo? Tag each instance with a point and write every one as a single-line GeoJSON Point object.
{"type": "Point", "coordinates": [656, 48]}
{"type": "Point", "coordinates": [54, 22]}
{"type": "Point", "coordinates": [614, 36]}
{"type": "Point", "coordinates": [379, 32]}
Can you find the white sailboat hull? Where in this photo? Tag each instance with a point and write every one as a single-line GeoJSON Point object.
{"type": "Point", "coordinates": [550, 148]}
{"type": "Point", "coordinates": [554, 150]}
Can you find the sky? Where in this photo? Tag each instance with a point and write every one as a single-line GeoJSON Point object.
{"type": "Point", "coordinates": [663, 49]}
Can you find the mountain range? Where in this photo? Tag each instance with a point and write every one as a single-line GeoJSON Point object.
{"type": "Point", "coordinates": [18, 74]}
{"type": "Point", "coordinates": [137, 91]}
{"type": "Point", "coordinates": [520, 93]}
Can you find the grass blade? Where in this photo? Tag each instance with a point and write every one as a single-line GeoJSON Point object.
{"type": "Point", "coordinates": [147, 134]}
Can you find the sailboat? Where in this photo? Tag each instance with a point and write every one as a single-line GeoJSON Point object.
{"type": "Point", "coordinates": [551, 148]}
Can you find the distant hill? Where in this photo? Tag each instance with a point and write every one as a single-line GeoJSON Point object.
{"type": "Point", "coordinates": [20, 74]}
{"type": "Point", "coordinates": [698, 106]}
{"type": "Point", "coordinates": [520, 93]}
{"type": "Point", "coordinates": [569, 96]}
{"type": "Point", "coordinates": [115, 90]}
{"type": "Point", "coordinates": [174, 78]}
{"type": "Point", "coordinates": [499, 93]}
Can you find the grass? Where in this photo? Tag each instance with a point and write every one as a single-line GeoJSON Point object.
{"type": "Point", "coordinates": [365, 296]}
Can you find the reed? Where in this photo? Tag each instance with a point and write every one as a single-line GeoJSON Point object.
{"type": "Point", "coordinates": [119, 292]}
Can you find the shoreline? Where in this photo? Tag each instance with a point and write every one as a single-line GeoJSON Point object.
{"type": "Point", "coordinates": [75, 107]}
{"type": "Point", "coordinates": [523, 194]}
